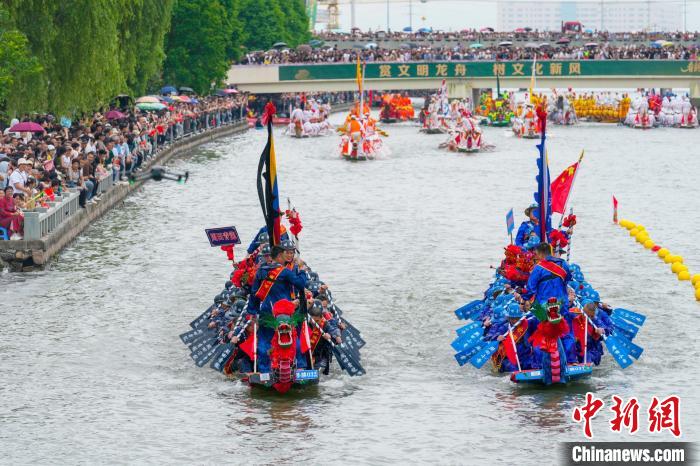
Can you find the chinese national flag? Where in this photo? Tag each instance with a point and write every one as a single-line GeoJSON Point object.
{"type": "Point", "coordinates": [561, 187]}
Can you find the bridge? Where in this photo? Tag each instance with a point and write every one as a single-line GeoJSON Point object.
{"type": "Point", "coordinates": [464, 76]}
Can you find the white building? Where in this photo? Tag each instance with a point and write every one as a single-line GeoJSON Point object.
{"type": "Point", "coordinates": [609, 15]}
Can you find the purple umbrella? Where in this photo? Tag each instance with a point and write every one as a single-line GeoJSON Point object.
{"type": "Point", "coordinates": [27, 127]}
{"type": "Point", "coordinates": [114, 115]}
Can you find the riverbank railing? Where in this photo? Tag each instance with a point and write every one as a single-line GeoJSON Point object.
{"type": "Point", "coordinates": [42, 221]}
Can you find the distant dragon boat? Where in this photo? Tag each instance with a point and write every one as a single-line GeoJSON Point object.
{"type": "Point", "coordinates": [546, 343]}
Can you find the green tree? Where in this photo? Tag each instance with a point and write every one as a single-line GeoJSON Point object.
{"type": "Point", "coordinates": [197, 44]}
{"type": "Point", "coordinates": [264, 23]}
{"type": "Point", "coordinates": [16, 59]}
{"type": "Point", "coordinates": [296, 22]}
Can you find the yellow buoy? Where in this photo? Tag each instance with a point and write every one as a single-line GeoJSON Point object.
{"type": "Point", "coordinates": [695, 279]}
{"type": "Point", "coordinates": [697, 294]}
{"type": "Point", "coordinates": [631, 225]}
{"type": "Point", "coordinates": [633, 232]}
{"type": "Point", "coordinates": [642, 236]}
{"type": "Point", "coordinates": [649, 244]}
{"type": "Point", "coordinates": [640, 227]}
{"type": "Point", "coordinates": [684, 275]}
{"type": "Point", "coordinates": [678, 259]}
{"type": "Point", "coordinates": [676, 267]}
{"type": "Point", "coordinates": [669, 259]}
{"type": "Point", "coordinates": [663, 252]}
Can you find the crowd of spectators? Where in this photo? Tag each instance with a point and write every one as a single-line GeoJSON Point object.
{"type": "Point", "coordinates": [95, 151]}
{"type": "Point", "coordinates": [473, 45]}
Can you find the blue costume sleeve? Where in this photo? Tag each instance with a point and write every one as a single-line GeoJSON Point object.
{"type": "Point", "coordinates": [331, 327]}
{"type": "Point", "coordinates": [297, 279]}
{"type": "Point", "coordinates": [254, 244]}
{"type": "Point", "coordinates": [603, 320]}
{"type": "Point", "coordinates": [523, 231]}
{"type": "Point", "coordinates": [532, 283]}
{"type": "Point", "coordinates": [498, 328]}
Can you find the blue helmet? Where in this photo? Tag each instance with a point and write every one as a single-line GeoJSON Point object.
{"type": "Point", "coordinates": [512, 310]}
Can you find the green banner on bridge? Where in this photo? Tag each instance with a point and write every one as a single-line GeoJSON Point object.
{"type": "Point", "coordinates": [483, 69]}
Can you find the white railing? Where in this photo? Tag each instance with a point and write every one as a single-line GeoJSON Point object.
{"type": "Point", "coordinates": [42, 221]}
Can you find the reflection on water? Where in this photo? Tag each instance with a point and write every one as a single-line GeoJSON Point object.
{"type": "Point", "coordinates": [93, 369]}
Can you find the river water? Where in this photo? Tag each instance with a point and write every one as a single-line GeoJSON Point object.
{"type": "Point", "coordinates": [93, 371]}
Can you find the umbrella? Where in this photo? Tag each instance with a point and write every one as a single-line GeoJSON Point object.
{"type": "Point", "coordinates": [519, 30]}
{"type": "Point", "coordinates": [505, 43]}
{"type": "Point", "coordinates": [150, 106]}
{"type": "Point", "coordinates": [305, 48]}
{"type": "Point", "coordinates": [184, 98]}
{"type": "Point", "coordinates": [425, 30]}
{"type": "Point", "coordinates": [476, 45]}
{"type": "Point", "coordinates": [544, 45]}
{"type": "Point", "coordinates": [564, 40]}
{"type": "Point", "coordinates": [316, 43]}
{"type": "Point", "coordinates": [279, 45]}
{"type": "Point", "coordinates": [408, 29]}
{"type": "Point", "coordinates": [531, 45]}
{"type": "Point", "coordinates": [168, 90]}
{"type": "Point", "coordinates": [27, 127]}
{"type": "Point", "coordinates": [371, 45]}
{"type": "Point", "coordinates": [148, 99]}
{"type": "Point", "coordinates": [194, 101]}
{"type": "Point", "coordinates": [591, 44]}
{"type": "Point", "coordinates": [588, 31]}
{"type": "Point", "coordinates": [167, 99]}
{"type": "Point", "coordinates": [114, 115]}
{"type": "Point", "coordinates": [527, 29]}
{"type": "Point", "coordinates": [667, 44]}
{"type": "Point", "coordinates": [488, 29]}
{"type": "Point", "coordinates": [186, 89]}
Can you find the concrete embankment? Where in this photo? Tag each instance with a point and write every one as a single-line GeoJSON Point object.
{"type": "Point", "coordinates": [28, 255]}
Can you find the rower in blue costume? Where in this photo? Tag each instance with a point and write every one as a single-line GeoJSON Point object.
{"type": "Point", "coordinates": [263, 237]}
{"type": "Point", "coordinates": [521, 330]}
{"type": "Point", "coordinates": [603, 327]}
{"type": "Point", "coordinates": [274, 282]}
{"type": "Point", "coordinates": [528, 229]}
{"type": "Point", "coordinates": [548, 278]}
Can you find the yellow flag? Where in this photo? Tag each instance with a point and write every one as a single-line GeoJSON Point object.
{"type": "Point", "coordinates": [359, 74]}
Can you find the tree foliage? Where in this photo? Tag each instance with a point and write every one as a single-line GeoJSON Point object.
{"type": "Point", "coordinates": [197, 44]}
{"type": "Point", "coordinates": [73, 56]}
{"type": "Point", "coordinates": [16, 60]}
{"type": "Point", "coordinates": [89, 51]}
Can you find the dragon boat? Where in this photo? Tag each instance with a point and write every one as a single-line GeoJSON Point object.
{"type": "Point", "coordinates": [294, 344]}
{"type": "Point", "coordinates": [552, 341]}
{"type": "Point", "coordinates": [395, 108]}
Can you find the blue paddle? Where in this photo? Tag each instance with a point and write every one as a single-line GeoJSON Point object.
{"type": "Point", "coordinates": [634, 350]}
{"type": "Point", "coordinates": [616, 349]}
{"type": "Point", "coordinates": [484, 354]}
{"type": "Point", "coordinates": [468, 328]}
{"type": "Point", "coordinates": [463, 357]}
{"type": "Point", "coordinates": [629, 316]}
{"type": "Point", "coordinates": [467, 340]}
{"type": "Point", "coordinates": [203, 317]}
{"type": "Point", "coordinates": [468, 309]}
{"type": "Point", "coordinates": [627, 329]}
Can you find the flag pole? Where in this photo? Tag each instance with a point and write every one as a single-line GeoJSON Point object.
{"type": "Point", "coordinates": [515, 348]}
{"type": "Point", "coordinates": [568, 195]}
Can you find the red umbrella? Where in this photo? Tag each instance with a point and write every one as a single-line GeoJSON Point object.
{"type": "Point", "coordinates": [114, 115]}
{"type": "Point", "coordinates": [27, 127]}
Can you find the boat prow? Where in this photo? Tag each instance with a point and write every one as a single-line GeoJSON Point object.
{"type": "Point", "coordinates": [359, 158]}
{"type": "Point", "coordinates": [432, 131]}
{"type": "Point", "coordinates": [537, 376]}
{"type": "Point", "coordinates": [302, 378]}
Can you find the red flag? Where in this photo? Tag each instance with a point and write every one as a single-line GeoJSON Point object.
{"type": "Point", "coordinates": [614, 202]}
{"type": "Point", "coordinates": [305, 338]}
{"type": "Point", "coordinates": [561, 188]}
{"type": "Point", "coordinates": [247, 346]}
{"type": "Point", "coordinates": [614, 210]}
{"type": "Point", "coordinates": [511, 352]}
